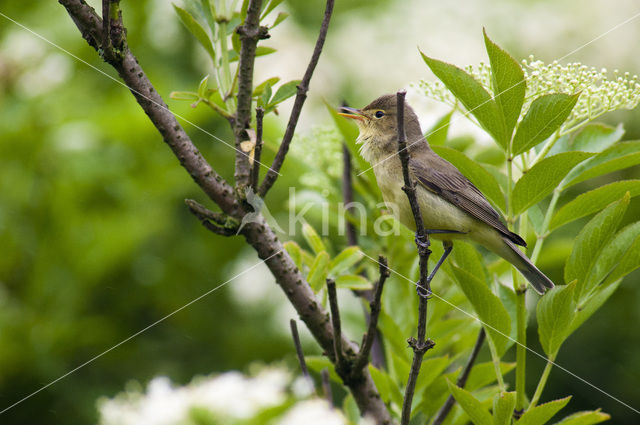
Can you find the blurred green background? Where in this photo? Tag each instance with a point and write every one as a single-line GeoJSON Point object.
{"type": "Point", "coordinates": [96, 243]}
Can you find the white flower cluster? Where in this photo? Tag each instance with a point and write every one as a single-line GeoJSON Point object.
{"type": "Point", "coordinates": [598, 93]}
{"type": "Point", "coordinates": [228, 398]}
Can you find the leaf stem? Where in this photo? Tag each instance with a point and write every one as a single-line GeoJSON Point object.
{"type": "Point", "coordinates": [542, 382]}
{"type": "Point", "coordinates": [496, 364]}
{"type": "Point", "coordinates": [545, 150]}
{"type": "Point", "coordinates": [545, 225]}
{"type": "Point", "coordinates": [521, 350]}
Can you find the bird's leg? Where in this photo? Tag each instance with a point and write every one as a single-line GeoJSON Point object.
{"type": "Point", "coordinates": [448, 246]}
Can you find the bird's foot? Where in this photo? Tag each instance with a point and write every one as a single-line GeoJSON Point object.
{"type": "Point", "coordinates": [423, 292]}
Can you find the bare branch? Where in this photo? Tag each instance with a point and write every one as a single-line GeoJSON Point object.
{"type": "Point", "coordinates": [370, 336]}
{"type": "Point", "coordinates": [347, 193]}
{"type": "Point", "coordinates": [218, 223]}
{"type": "Point", "coordinates": [335, 320]}
{"type": "Point", "coordinates": [419, 345]}
{"type": "Point", "coordinates": [257, 153]}
{"type": "Point", "coordinates": [461, 381]}
{"type": "Point", "coordinates": [299, 353]}
{"type": "Point", "coordinates": [250, 32]}
{"type": "Point", "coordinates": [301, 96]}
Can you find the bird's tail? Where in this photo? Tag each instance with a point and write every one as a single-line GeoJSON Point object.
{"type": "Point", "coordinates": [536, 278]}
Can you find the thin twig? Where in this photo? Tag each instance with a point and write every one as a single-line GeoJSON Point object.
{"type": "Point", "coordinates": [250, 32]}
{"type": "Point", "coordinates": [218, 223]}
{"type": "Point", "coordinates": [372, 330]}
{"type": "Point", "coordinates": [326, 386]}
{"type": "Point", "coordinates": [419, 345]}
{"type": "Point", "coordinates": [301, 96]}
{"type": "Point", "coordinates": [462, 379]}
{"type": "Point", "coordinates": [299, 353]}
{"type": "Point", "coordinates": [347, 193]}
{"type": "Point", "coordinates": [255, 172]}
{"type": "Point", "coordinates": [335, 320]}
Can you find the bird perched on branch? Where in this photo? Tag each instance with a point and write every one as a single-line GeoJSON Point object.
{"type": "Point", "coordinates": [451, 206]}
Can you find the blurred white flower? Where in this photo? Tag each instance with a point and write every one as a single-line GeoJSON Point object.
{"type": "Point", "coordinates": [313, 412]}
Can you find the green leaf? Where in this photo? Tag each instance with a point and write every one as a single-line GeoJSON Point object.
{"type": "Point", "coordinates": [284, 92]}
{"type": "Point", "coordinates": [347, 258]}
{"type": "Point", "coordinates": [590, 242]}
{"type": "Point", "coordinates": [555, 312]}
{"type": "Point", "coordinates": [481, 178]}
{"type": "Point", "coordinates": [545, 115]}
{"type": "Point", "coordinates": [617, 157]}
{"type": "Point", "coordinates": [484, 374]}
{"type": "Point", "coordinates": [261, 87]}
{"type": "Point", "coordinates": [596, 137]}
{"type": "Point", "coordinates": [543, 178]}
{"type": "Point", "coordinates": [353, 282]}
{"type": "Point", "coordinates": [508, 83]}
{"type": "Point", "coordinates": [184, 95]}
{"type": "Point", "coordinates": [196, 30]}
{"type": "Point", "coordinates": [312, 238]}
{"type": "Point", "coordinates": [279, 19]}
{"type": "Point", "coordinates": [585, 418]}
{"type": "Point", "coordinates": [202, 87]}
{"type": "Point", "coordinates": [611, 255]}
{"type": "Point", "coordinates": [295, 252]}
{"type": "Point", "coordinates": [318, 271]}
{"type": "Point", "coordinates": [269, 7]}
{"type": "Point", "coordinates": [593, 201]}
{"type": "Point", "coordinates": [503, 405]}
{"type": "Point", "coordinates": [473, 96]}
{"type": "Point", "coordinates": [263, 100]}
{"type": "Point", "coordinates": [541, 414]}
{"type": "Point", "coordinates": [490, 310]}
{"type": "Point", "coordinates": [438, 133]}
{"type": "Point", "coordinates": [595, 301]}
{"type": "Point", "coordinates": [466, 257]}
{"type": "Point", "coordinates": [628, 263]}
{"type": "Point", "coordinates": [477, 412]}
{"type": "Point", "coordinates": [264, 50]}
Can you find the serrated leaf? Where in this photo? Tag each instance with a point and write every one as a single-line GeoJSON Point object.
{"type": "Point", "coordinates": [312, 238]}
{"type": "Point", "coordinates": [617, 157]}
{"type": "Point", "coordinates": [473, 96]}
{"type": "Point", "coordinates": [593, 201]}
{"type": "Point", "coordinates": [473, 407]}
{"type": "Point", "coordinates": [487, 306]}
{"type": "Point", "coordinates": [541, 414]}
{"type": "Point", "coordinates": [543, 178]}
{"type": "Point", "coordinates": [347, 258]}
{"type": "Point", "coordinates": [555, 312]}
{"type": "Point", "coordinates": [589, 307]}
{"type": "Point", "coordinates": [295, 252]}
{"type": "Point", "coordinates": [508, 83]}
{"type": "Point", "coordinates": [545, 115]}
{"type": "Point", "coordinates": [184, 95]}
{"type": "Point", "coordinates": [611, 254]}
{"type": "Point", "coordinates": [318, 271]}
{"type": "Point", "coordinates": [589, 243]}
{"type": "Point", "coordinates": [628, 263]}
{"type": "Point", "coordinates": [503, 405]}
{"type": "Point", "coordinates": [353, 282]}
{"type": "Point", "coordinates": [196, 30]}
{"type": "Point", "coordinates": [585, 418]}
{"type": "Point", "coordinates": [437, 135]}
{"type": "Point", "coordinates": [284, 92]}
{"type": "Point", "coordinates": [596, 137]}
{"type": "Point", "coordinates": [481, 178]}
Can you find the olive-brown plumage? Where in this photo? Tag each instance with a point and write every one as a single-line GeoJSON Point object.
{"type": "Point", "coordinates": [448, 200]}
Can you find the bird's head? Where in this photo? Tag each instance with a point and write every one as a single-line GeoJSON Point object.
{"type": "Point", "coordinates": [378, 127]}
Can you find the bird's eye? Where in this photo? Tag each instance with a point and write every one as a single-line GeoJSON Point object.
{"type": "Point", "coordinates": [379, 114]}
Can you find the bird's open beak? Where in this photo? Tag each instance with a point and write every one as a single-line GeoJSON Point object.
{"type": "Point", "coordinates": [352, 113]}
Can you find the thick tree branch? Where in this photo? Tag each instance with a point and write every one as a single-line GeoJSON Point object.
{"type": "Point", "coordinates": [301, 96]}
{"type": "Point", "coordinates": [461, 381]}
{"type": "Point", "coordinates": [419, 345]}
{"type": "Point", "coordinates": [258, 233]}
{"type": "Point", "coordinates": [250, 32]}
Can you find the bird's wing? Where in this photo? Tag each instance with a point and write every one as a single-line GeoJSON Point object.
{"type": "Point", "coordinates": [442, 178]}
